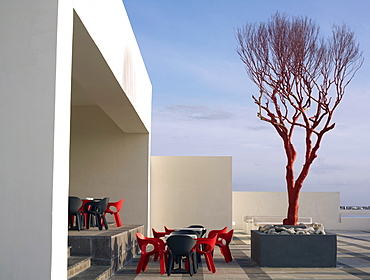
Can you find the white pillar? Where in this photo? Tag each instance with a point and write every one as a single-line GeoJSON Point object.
{"type": "Point", "coordinates": [35, 75]}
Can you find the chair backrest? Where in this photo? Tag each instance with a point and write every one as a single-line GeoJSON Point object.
{"type": "Point", "coordinates": [203, 232]}
{"type": "Point", "coordinates": [158, 234]}
{"type": "Point", "coordinates": [82, 208]}
{"type": "Point", "coordinates": [185, 231]}
{"type": "Point", "coordinates": [140, 237]}
{"type": "Point", "coordinates": [195, 226]}
{"type": "Point", "coordinates": [226, 237]}
{"type": "Point", "coordinates": [143, 241]}
{"type": "Point", "coordinates": [208, 244]}
{"type": "Point", "coordinates": [216, 232]}
{"type": "Point", "coordinates": [166, 229]}
{"type": "Point", "coordinates": [74, 204]}
{"type": "Point", "coordinates": [98, 206]}
{"type": "Point", "coordinates": [103, 204]}
{"type": "Point", "coordinates": [180, 244]}
{"type": "Point", "coordinates": [117, 204]}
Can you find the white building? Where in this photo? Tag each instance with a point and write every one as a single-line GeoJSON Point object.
{"type": "Point", "coordinates": [75, 120]}
{"type": "Point", "coordinates": [53, 52]}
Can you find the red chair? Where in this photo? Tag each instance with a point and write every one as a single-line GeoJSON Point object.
{"type": "Point", "coordinates": [159, 249]}
{"type": "Point", "coordinates": [167, 230]}
{"type": "Point", "coordinates": [223, 241]}
{"type": "Point", "coordinates": [118, 206]}
{"type": "Point", "coordinates": [158, 234]}
{"type": "Point", "coordinates": [216, 232]}
{"type": "Point", "coordinates": [205, 246]}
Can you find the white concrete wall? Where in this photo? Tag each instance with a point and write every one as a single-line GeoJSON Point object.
{"type": "Point", "coordinates": [35, 75]}
{"type": "Point", "coordinates": [191, 190]}
{"type": "Point", "coordinates": [323, 207]}
{"type": "Point", "coordinates": [35, 78]}
{"type": "Point", "coordinates": [106, 162]}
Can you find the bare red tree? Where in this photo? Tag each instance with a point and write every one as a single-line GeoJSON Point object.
{"type": "Point", "coordinates": [301, 79]}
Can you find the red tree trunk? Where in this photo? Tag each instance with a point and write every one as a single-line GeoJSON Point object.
{"type": "Point", "coordinates": [292, 215]}
{"type": "Point", "coordinates": [294, 188]}
{"type": "Point", "coordinates": [293, 191]}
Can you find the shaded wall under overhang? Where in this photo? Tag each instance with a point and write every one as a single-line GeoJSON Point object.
{"type": "Point", "coordinates": [109, 154]}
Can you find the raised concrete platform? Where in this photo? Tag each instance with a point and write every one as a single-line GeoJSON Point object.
{"type": "Point", "coordinates": [113, 247]}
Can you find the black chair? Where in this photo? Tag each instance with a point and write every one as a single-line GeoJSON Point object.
{"type": "Point", "coordinates": [200, 234]}
{"type": "Point", "coordinates": [185, 231]}
{"type": "Point", "coordinates": [74, 204]}
{"type": "Point", "coordinates": [199, 226]}
{"type": "Point", "coordinates": [181, 245]}
{"type": "Point", "coordinates": [191, 232]}
{"type": "Point", "coordinates": [96, 210]}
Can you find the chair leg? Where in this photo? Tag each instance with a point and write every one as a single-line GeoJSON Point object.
{"type": "Point", "coordinates": [165, 260]}
{"type": "Point", "coordinates": [178, 261]}
{"type": "Point", "coordinates": [97, 218]}
{"type": "Point", "coordinates": [140, 264]}
{"type": "Point", "coordinates": [82, 221]}
{"type": "Point", "coordinates": [104, 221]}
{"type": "Point", "coordinates": [169, 264]}
{"type": "Point", "coordinates": [195, 262]}
{"type": "Point", "coordinates": [117, 219]}
{"type": "Point", "coordinates": [225, 250]}
{"type": "Point", "coordinates": [71, 220]}
{"type": "Point", "coordinates": [162, 263]}
{"type": "Point", "coordinates": [78, 221]}
{"type": "Point", "coordinates": [86, 220]}
{"type": "Point", "coordinates": [156, 257]}
{"type": "Point", "coordinates": [209, 261]}
{"type": "Point", "coordinates": [189, 257]}
{"type": "Point", "coordinates": [146, 262]}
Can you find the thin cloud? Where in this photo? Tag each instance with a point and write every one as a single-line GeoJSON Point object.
{"type": "Point", "coordinates": [257, 128]}
{"type": "Point", "coordinates": [323, 169]}
{"type": "Point", "coordinates": [198, 112]}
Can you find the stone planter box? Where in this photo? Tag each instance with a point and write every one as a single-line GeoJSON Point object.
{"type": "Point", "coordinates": [275, 250]}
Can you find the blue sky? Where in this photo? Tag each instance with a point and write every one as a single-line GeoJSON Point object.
{"type": "Point", "coordinates": [202, 103]}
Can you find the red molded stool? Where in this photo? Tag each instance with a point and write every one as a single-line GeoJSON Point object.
{"type": "Point", "coordinates": [118, 206]}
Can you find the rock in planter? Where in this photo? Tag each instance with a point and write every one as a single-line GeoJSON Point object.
{"type": "Point", "coordinates": [300, 229]}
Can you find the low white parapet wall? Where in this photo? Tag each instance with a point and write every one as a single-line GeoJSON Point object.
{"type": "Point", "coordinates": [354, 219]}
{"type": "Point", "coordinates": [322, 207]}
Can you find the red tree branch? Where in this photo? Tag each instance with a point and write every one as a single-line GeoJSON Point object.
{"type": "Point", "coordinates": [301, 79]}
